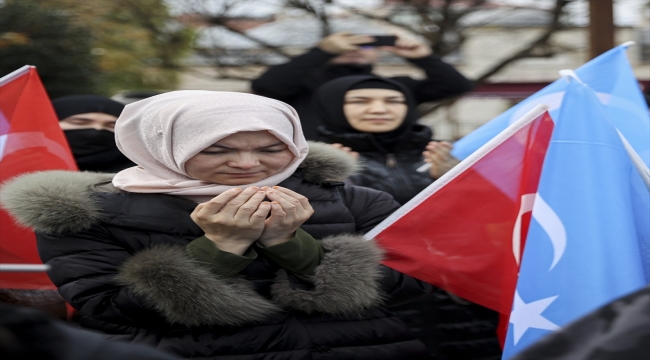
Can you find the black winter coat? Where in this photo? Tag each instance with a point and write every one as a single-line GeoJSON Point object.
{"type": "Point", "coordinates": [295, 82]}
{"type": "Point", "coordinates": [118, 258]}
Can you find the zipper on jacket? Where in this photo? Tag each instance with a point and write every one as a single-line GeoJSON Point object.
{"type": "Point", "coordinates": [391, 160]}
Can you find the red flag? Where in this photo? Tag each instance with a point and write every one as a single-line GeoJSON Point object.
{"type": "Point", "coordinates": [30, 140]}
{"type": "Point", "coordinates": [464, 232]}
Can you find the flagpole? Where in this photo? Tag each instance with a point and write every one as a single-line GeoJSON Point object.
{"type": "Point", "coordinates": [15, 74]}
{"type": "Point", "coordinates": [24, 267]}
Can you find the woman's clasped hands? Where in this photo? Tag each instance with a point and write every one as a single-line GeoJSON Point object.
{"type": "Point", "coordinates": [237, 218]}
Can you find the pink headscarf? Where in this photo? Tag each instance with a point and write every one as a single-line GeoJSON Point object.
{"type": "Point", "coordinates": [163, 132]}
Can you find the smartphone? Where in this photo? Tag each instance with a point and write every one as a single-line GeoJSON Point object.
{"type": "Point", "coordinates": [381, 40]}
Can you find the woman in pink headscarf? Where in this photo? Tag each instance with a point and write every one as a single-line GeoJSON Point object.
{"type": "Point", "coordinates": [231, 239]}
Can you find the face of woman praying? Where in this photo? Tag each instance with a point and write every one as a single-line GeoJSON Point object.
{"type": "Point", "coordinates": [239, 159]}
{"type": "Point", "coordinates": [375, 110]}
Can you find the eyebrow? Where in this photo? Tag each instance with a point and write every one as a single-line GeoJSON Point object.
{"type": "Point", "coordinates": [372, 97]}
{"type": "Point", "coordinates": [78, 118]}
{"type": "Point", "coordinates": [262, 147]}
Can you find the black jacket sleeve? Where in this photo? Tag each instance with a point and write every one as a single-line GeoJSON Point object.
{"type": "Point", "coordinates": [442, 80]}
{"type": "Point", "coordinates": [286, 80]}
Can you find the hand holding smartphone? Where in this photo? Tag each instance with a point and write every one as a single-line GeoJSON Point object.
{"type": "Point", "coordinates": [381, 40]}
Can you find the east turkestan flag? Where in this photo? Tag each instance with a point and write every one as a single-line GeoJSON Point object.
{"type": "Point", "coordinates": [589, 238]}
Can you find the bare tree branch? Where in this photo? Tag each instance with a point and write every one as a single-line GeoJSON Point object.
{"type": "Point", "coordinates": [541, 42]}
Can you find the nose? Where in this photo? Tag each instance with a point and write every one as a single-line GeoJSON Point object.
{"type": "Point", "coordinates": [244, 161]}
{"type": "Point", "coordinates": [377, 106]}
{"type": "Point", "coordinates": [103, 126]}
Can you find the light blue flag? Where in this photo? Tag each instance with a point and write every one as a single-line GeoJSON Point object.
{"type": "Point", "coordinates": [589, 235]}
{"type": "Point", "coordinates": [610, 76]}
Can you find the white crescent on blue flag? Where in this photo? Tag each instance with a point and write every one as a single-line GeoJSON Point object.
{"type": "Point", "coordinates": [610, 76]}
{"type": "Point", "coordinates": [589, 239]}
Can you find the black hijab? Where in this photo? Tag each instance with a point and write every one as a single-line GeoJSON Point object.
{"type": "Point", "coordinates": [80, 104]}
{"type": "Point", "coordinates": [329, 100]}
{"type": "Point", "coordinates": [93, 150]}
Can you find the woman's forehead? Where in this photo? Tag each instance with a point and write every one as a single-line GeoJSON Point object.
{"type": "Point", "coordinates": [249, 139]}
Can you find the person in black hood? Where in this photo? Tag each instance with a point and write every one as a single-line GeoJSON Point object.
{"type": "Point", "coordinates": [375, 118]}
{"type": "Point", "coordinates": [344, 54]}
{"type": "Point", "coordinates": [87, 122]}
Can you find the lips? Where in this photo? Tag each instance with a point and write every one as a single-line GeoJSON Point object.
{"type": "Point", "coordinates": [242, 174]}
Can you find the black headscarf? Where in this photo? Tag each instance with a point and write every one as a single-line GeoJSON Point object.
{"type": "Point", "coordinates": [329, 100]}
{"type": "Point", "coordinates": [80, 104]}
{"type": "Point", "coordinates": [93, 150]}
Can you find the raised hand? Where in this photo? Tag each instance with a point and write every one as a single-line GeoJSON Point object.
{"type": "Point", "coordinates": [408, 48]}
{"type": "Point", "coordinates": [342, 42]}
{"type": "Point", "coordinates": [234, 219]}
{"type": "Point", "coordinates": [289, 210]}
{"type": "Point", "coordinates": [348, 150]}
{"type": "Point", "coordinates": [438, 154]}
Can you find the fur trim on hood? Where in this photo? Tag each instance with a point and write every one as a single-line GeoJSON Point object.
{"type": "Point", "coordinates": [345, 283]}
{"type": "Point", "coordinates": [60, 202]}
{"type": "Point", "coordinates": [185, 292]}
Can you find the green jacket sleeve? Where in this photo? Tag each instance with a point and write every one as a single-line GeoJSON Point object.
{"type": "Point", "coordinates": [300, 255]}
{"type": "Point", "coordinates": [219, 262]}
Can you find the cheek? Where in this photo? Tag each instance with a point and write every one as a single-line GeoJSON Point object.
{"type": "Point", "coordinates": [278, 163]}
{"type": "Point", "coordinates": [197, 167]}
{"type": "Point", "coordinates": [352, 113]}
{"type": "Point", "coordinates": [400, 112]}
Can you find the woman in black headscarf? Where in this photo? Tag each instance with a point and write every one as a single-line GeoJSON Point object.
{"type": "Point", "coordinates": [87, 122]}
{"type": "Point", "coordinates": [375, 117]}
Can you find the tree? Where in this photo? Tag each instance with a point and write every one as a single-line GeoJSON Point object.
{"type": "Point", "coordinates": [31, 35]}
{"type": "Point", "coordinates": [138, 44]}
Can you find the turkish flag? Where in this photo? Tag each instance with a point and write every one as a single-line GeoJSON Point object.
{"type": "Point", "coordinates": [465, 232]}
{"type": "Point", "coordinates": [30, 140]}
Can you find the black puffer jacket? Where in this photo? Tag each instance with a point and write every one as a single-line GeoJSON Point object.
{"type": "Point", "coordinates": [118, 258]}
{"type": "Point", "coordinates": [394, 173]}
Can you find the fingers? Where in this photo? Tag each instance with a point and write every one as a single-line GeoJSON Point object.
{"type": "Point", "coordinates": [359, 39]}
{"type": "Point", "coordinates": [302, 200]}
{"type": "Point", "coordinates": [231, 207]}
{"type": "Point", "coordinates": [215, 204]}
{"type": "Point", "coordinates": [259, 216]}
{"type": "Point", "coordinates": [278, 214]}
{"type": "Point", "coordinates": [342, 42]}
{"type": "Point", "coordinates": [289, 205]}
{"type": "Point", "coordinates": [349, 150]}
{"type": "Point", "coordinates": [245, 211]}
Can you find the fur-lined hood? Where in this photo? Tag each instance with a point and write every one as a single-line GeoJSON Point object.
{"type": "Point", "coordinates": [59, 202]}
